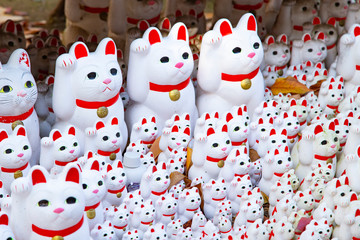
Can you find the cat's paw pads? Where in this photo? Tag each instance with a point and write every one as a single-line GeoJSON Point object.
{"type": "Point", "coordinates": [90, 132]}
{"type": "Point", "coordinates": [140, 46]}
{"type": "Point", "coordinates": [66, 61]}
{"type": "Point", "coordinates": [213, 38]}
{"type": "Point", "coordinates": [20, 185]}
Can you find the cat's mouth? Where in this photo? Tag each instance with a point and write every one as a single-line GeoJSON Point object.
{"type": "Point", "coordinates": [107, 88]}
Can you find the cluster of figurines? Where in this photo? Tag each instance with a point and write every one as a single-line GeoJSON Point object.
{"type": "Point", "coordinates": [157, 145]}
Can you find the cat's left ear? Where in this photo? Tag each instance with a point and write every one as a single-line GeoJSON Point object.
{"type": "Point", "coordinates": [247, 22]}
{"type": "Point", "coordinates": [73, 173]}
{"type": "Point", "coordinates": [4, 219]}
{"type": "Point", "coordinates": [20, 131]}
{"type": "Point", "coordinates": [107, 47]}
{"type": "Point", "coordinates": [38, 175]}
{"type": "Point", "coordinates": [20, 58]}
{"type": "Point", "coordinates": [179, 32]}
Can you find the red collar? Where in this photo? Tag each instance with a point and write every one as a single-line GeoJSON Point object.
{"type": "Point", "coordinates": [278, 174]}
{"type": "Point", "coordinates": [308, 211]}
{"type": "Point", "coordinates": [147, 223]}
{"type": "Point", "coordinates": [342, 144]}
{"type": "Point", "coordinates": [52, 233]}
{"type": "Point", "coordinates": [247, 7]}
{"type": "Point", "coordinates": [355, 238]}
{"type": "Point", "coordinates": [21, 117]}
{"type": "Point", "coordinates": [116, 191]}
{"type": "Point", "coordinates": [331, 46]}
{"type": "Point", "coordinates": [96, 105]}
{"type": "Point", "coordinates": [225, 232]}
{"type": "Point", "coordinates": [298, 28]}
{"type": "Point", "coordinates": [323, 158]}
{"type": "Point", "coordinates": [200, 15]}
{"type": "Point", "coordinates": [239, 196]}
{"type": "Point", "coordinates": [159, 193]}
{"type": "Point", "coordinates": [51, 110]}
{"type": "Point", "coordinates": [239, 77]}
{"type": "Point", "coordinates": [250, 221]}
{"type": "Point", "coordinates": [120, 227]}
{"type": "Point", "coordinates": [149, 142]}
{"type": "Point", "coordinates": [302, 123]}
{"type": "Point", "coordinates": [317, 200]}
{"type": "Point", "coordinates": [170, 215]}
{"type": "Point", "coordinates": [292, 137]}
{"type": "Point", "coordinates": [151, 21]}
{"type": "Point", "coordinates": [339, 19]}
{"type": "Point", "coordinates": [170, 149]}
{"type": "Point", "coordinates": [219, 199]}
{"type": "Point", "coordinates": [168, 88]}
{"type": "Point", "coordinates": [215, 159]}
{"type": "Point", "coordinates": [192, 210]}
{"type": "Point", "coordinates": [239, 175]}
{"type": "Point", "coordinates": [239, 143]}
{"type": "Point", "coordinates": [106, 154]}
{"type": "Point", "coordinates": [87, 208]}
{"type": "Point", "coordinates": [63, 164]}
{"type": "Point", "coordinates": [280, 68]}
{"type": "Point", "coordinates": [333, 107]}
{"type": "Point", "coordinates": [12, 170]}
{"type": "Point", "coordinates": [94, 10]}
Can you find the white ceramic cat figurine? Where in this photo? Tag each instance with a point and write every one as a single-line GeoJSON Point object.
{"type": "Point", "coordinates": [119, 217]}
{"type": "Point", "coordinates": [146, 130]}
{"type": "Point", "coordinates": [330, 98]}
{"type": "Point", "coordinates": [249, 212]}
{"type": "Point", "coordinates": [277, 53]}
{"type": "Point", "coordinates": [166, 209]}
{"type": "Point", "coordinates": [283, 230]}
{"type": "Point", "coordinates": [161, 95]}
{"type": "Point", "coordinates": [189, 204]}
{"type": "Point", "coordinates": [238, 127]}
{"type": "Point", "coordinates": [305, 201]}
{"type": "Point", "coordinates": [209, 152]}
{"type": "Point", "coordinates": [143, 216]}
{"type": "Point", "coordinates": [105, 231]}
{"type": "Point", "coordinates": [156, 232]}
{"type": "Point", "coordinates": [198, 223]}
{"type": "Point", "coordinates": [132, 234]}
{"type": "Point", "coordinates": [115, 182]}
{"type": "Point", "coordinates": [61, 208]}
{"type": "Point", "coordinates": [174, 228]}
{"type": "Point", "coordinates": [242, 51]}
{"type": "Point", "coordinates": [59, 149]}
{"type": "Point", "coordinates": [15, 155]}
{"type": "Point", "coordinates": [132, 200]}
{"type": "Point", "coordinates": [213, 192]}
{"type": "Point", "coordinates": [336, 9]}
{"type": "Point", "coordinates": [237, 188]}
{"type": "Point", "coordinates": [105, 139]}
{"type": "Point", "coordinates": [18, 94]}
{"type": "Point", "coordinates": [103, 80]}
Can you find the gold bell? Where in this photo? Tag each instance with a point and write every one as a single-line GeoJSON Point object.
{"type": "Point", "coordinates": [91, 213]}
{"type": "Point", "coordinates": [292, 140]}
{"type": "Point", "coordinates": [280, 72]}
{"type": "Point", "coordinates": [16, 123]}
{"type": "Point", "coordinates": [102, 112]}
{"type": "Point", "coordinates": [118, 195]}
{"type": "Point", "coordinates": [342, 23]}
{"type": "Point", "coordinates": [112, 156]}
{"type": "Point", "coordinates": [173, 217]}
{"type": "Point", "coordinates": [340, 149]}
{"type": "Point", "coordinates": [174, 95]}
{"type": "Point", "coordinates": [246, 84]}
{"type": "Point", "coordinates": [220, 163]}
{"type": "Point", "coordinates": [57, 238]}
{"type": "Point", "coordinates": [18, 174]}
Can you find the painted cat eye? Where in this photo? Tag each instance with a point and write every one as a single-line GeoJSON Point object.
{"type": "Point", "coordinates": [113, 71]}
{"type": "Point", "coordinates": [43, 203]}
{"type": "Point", "coordinates": [6, 89]}
{"type": "Point", "coordinates": [8, 151]}
{"type": "Point", "coordinates": [29, 84]}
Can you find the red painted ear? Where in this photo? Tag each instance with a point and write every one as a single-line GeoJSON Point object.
{"type": "Point", "coordinates": [166, 24]}
{"type": "Point", "coordinates": [4, 219]}
{"type": "Point", "coordinates": [99, 125]}
{"type": "Point", "coordinates": [338, 184]}
{"type": "Point", "coordinates": [332, 126]}
{"type": "Point", "coordinates": [109, 168]}
{"type": "Point", "coordinates": [292, 102]}
{"type": "Point", "coordinates": [301, 195]}
{"type": "Point", "coordinates": [182, 33]}
{"type": "Point", "coordinates": [225, 28]}
{"type": "Point", "coordinates": [356, 31]}
{"type": "Point", "coordinates": [245, 150]}
{"type": "Point", "coordinates": [346, 181]}
{"type": "Point", "coordinates": [207, 116]}
{"type": "Point", "coordinates": [229, 116]}
{"type": "Point", "coordinates": [10, 26]}
{"type": "Point", "coordinates": [240, 111]}
{"type": "Point", "coordinates": [224, 128]}
{"type": "Point", "coordinates": [195, 56]}
{"type": "Point", "coordinates": [81, 50]}
{"type": "Point", "coordinates": [284, 132]}
{"type": "Point", "coordinates": [304, 103]}
{"type": "Point", "coordinates": [56, 135]}
{"type": "Point", "coordinates": [115, 121]}
{"type": "Point", "coordinates": [286, 149]}
{"type": "Point", "coordinates": [316, 21]}
{"type": "Point", "coordinates": [318, 129]}
{"type": "Point", "coordinates": [187, 117]}
{"type": "Point", "coordinates": [321, 36]}
{"type": "Point", "coordinates": [353, 197]}
{"type": "Point", "coordinates": [154, 36]}
{"type": "Point", "coordinates": [119, 54]}
{"type": "Point", "coordinates": [175, 129]}
{"type": "Point", "coordinates": [164, 166]}
{"type": "Point", "coordinates": [276, 152]}
{"type": "Point", "coordinates": [154, 169]}
{"type": "Point", "coordinates": [71, 131]}
{"type": "Point", "coordinates": [37, 177]}
{"type": "Point", "coordinates": [216, 115]}
{"type": "Point", "coordinates": [73, 175]}
{"type": "Point", "coordinates": [308, 63]}
{"type": "Point", "coordinates": [284, 38]}
{"type": "Point", "coordinates": [357, 213]}
{"type": "Point", "coordinates": [143, 121]}
{"type": "Point", "coordinates": [270, 40]}
{"type": "Point", "coordinates": [110, 48]}
{"type": "Point", "coordinates": [153, 120]}
{"type": "Point", "coordinates": [1, 184]}
{"type": "Point", "coordinates": [261, 121]}
{"type": "Point", "coordinates": [120, 165]}
{"type": "Point", "coordinates": [95, 165]}
{"type": "Point", "coordinates": [278, 184]}
{"type": "Point", "coordinates": [306, 37]}
{"type": "Point", "coordinates": [286, 115]}
{"type": "Point", "coordinates": [178, 13]}
{"type": "Point", "coordinates": [187, 131]}
{"type": "Point", "coordinates": [331, 21]}
{"type": "Point", "coordinates": [21, 131]}
{"type": "Point", "coordinates": [272, 132]}
{"type": "Point", "coordinates": [251, 25]}
{"type": "Point", "coordinates": [210, 131]}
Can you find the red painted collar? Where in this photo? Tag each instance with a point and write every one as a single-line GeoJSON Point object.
{"type": "Point", "coordinates": [334, 108]}
{"type": "Point", "coordinates": [239, 143]}
{"type": "Point", "coordinates": [323, 158]}
{"type": "Point", "coordinates": [271, 235]}
{"type": "Point", "coordinates": [225, 232]}
{"type": "Point", "coordinates": [169, 215]}
{"type": "Point", "coordinates": [106, 154]}
{"type": "Point", "coordinates": [357, 67]}
{"type": "Point", "coordinates": [192, 210]}
{"type": "Point", "coordinates": [151, 21]}
{"type": "Point", "coordinates": [292, 137]}
{"type": "Point", "coordinates": [317, 200]}
{"type": "Point", "coordinates": [308, 211]}
{"type": "Point", "coordinates": [120, 227]}
{"type": "Point", "coordinates": [21, 117]}
{"type": "Point", "coordinates": [355, 238]}
{"type": "Point", "coordinates": [168, 88]}
{"type": "Point", "coordinates": [147, 223]}
{"type": "Point", "coordinates": [96, 105]}
{"type": "Point", "coordinates": [302, 123]}
{"type": "Point", "coordinates": [51, 110]}
{"type": "Point", "coordinates": [94, 10]}
{"type": "Point", "coordinates": [219, 199]}
{"type": "Point", "coordinates": [62, 164]}
{"type": "Point", "coordinates": [339, 19]}
{"type": "Point", "coordinates": [280, 68]}
{"type": "Point", "coordinates": [239, 175]}
{"type": "Point", "coordinates": [170, 149]}
{"type": "Point", "coordinates": [148, 142]}
{"type": "Point", "coordinates": [200, 15]}
{"type": "Point", "coordinates": [250, 221]}
{"type": "Point", "coordinates": [342, 144]}
{"type": "Point", "coordinates": [87, 208]}
{"type": "Point", "coordinates": [298, 28]}
{"type": "Point", "coordinates": [215, 159]}
{"type": "Point", "coordinates": [247, 7]}
{"type": "Point", "coordinates": [278, 174]}
{"type": "Point", "coordinates": [116, 191]}
{"type": "Point", "coordinates": [239, 77]}
{"type": "Point", "coordinates": [12, 170]}
{"type": "Point", "coordinates": [159, 193]}
{"type": "Point", "coordinates": [62, 233]}
{"type": "Point", "coordinates": [331, 46]}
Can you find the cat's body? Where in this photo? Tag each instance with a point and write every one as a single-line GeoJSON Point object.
{"type": "Point", "coordinates": [115, 182]}
{"type": "Point", "coordinates": [145, 130]}
{"type": "Point", "coordinates": [189, 204]}
{"type": "Point", "coordinates": [313, 49]}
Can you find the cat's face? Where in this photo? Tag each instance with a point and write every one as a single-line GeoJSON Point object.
{"type": "Point", "coordinates": [94, 3]}
{"type": "Point", "coordinates": [156, 232]}
{"type": "Point", "coordinates": [256, 195]}
{"type": "Point", "coordinates": [330, 32]}
{"type": "Point", "coordinates": [93, 184]}
{"type": "Point", "coordinates": [314, 50]}
{"type": "Point", "coordinates": [178, 139]}
{"type": "Point", "coordinates": [144, 9]}
{"type": "Point", "coordinates": [343, 194]}
{"type": "Point", "coordinates": [217, 189]}
{"type": "Point", "coordinates": [218, 143]}
{"type": "Point", "coordinates": [108, 138]}
{"type": "Point", "coordinates": [115, 177]}
{"type": "Point", "coordinates": [191, 198]}
{"type": "Point", "coordinates": [132, 235]}
{"type": "Point", "coordinates": [252, 210]}
{"type": "Point", "coordinates": [242, 185]}
{"type": "Point", "coordinates": [242, 164]}
{"type": "Point", "coordinates": [148, 130]}
{"type": "Point", "coordinates": [60, 207]}
{"type": "Point", "coordinates": [303, 11]}
{"type": "Point", "coordinates": [147, 159]}
{"type": "Point", "coordinates": [160, 179]}
{"type": "Point", "coordinates": [119, 215]}
{"type": "Point", "coordinates": [15, 150]}
{"type": "Point", "coordinates": [289, 204]}
{"type": "Point", "coordinates": [326, 142]}
{"type": "Point", "coordinates": [146, 211]}
{"type": "Point", "coordinates": [174, 226]}
{"type": "Point", "coordinates": [305, 200]}
{"type": "Point", "coordinates": [104, 231]}
{"type": "Point", "coordinates": [238, 127]}
{"type": "Point", "coordinates": [199, 220]}
{"type": "Point", "coordinates": [5, 231]}
{"type": "Point", "coordinates": [279, 190]}
{"type": "Point", "coordinates": [190, 20]}
{"type": "Point", "coordinates": [224, 224]}
{"type": "Point", "coordinates": [291, 123]}
{"type": "Point", "coordinates": [168, 204]}
{"type": "Point", "coordinates": [8, 40]}
{"type": "Point", "coordinates": [277, 54]}
{"type": "Point", "coordinates": [176, 165]}
{"type": "Point", "coordinates": [338, 8]}
{"type": "Point", "coordinates": [335, 95]}
{"type": "Point", "coordinates": [177, 189]}
{"type": "Point", "coordinates": [224, 209]}
{"type": "Point", "coordinates": [18, 92]}
{"type": "Point", "coordinates": [66, 146]}
{"type": "Point", "coordinates": [282, 160]}
{"type": "Point", "coordinates": [133, 200]}
{"type": "Point", "coordinates": [277, 139]}
{"type": "Point", "coordinates": [137, 146]}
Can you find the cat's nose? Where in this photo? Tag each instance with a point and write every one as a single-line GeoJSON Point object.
{"type": "Point", "coordinates": [224, 149]}
{"type": "Point", "coordinates": [58, 210]}
{"type": "Point", "coordinates": [251, 55]}
{"type": "Point", "coordinates": [283, 56]}
{"type": "Point", "coordinates": [114, 141]}
{"type": "Point", "coordinates": [96, 191]}
{"type": "Point", "coordinates": [333, 146]}
{"type": "Point", "coordinates": [72, 151]}
{"type": "Point", "coordinates": [20, 155]}
{"type": "Point", "coordinates": [319, 53]}
{"type": "Point", "coordinates": [21, 93]}
{"type": "Point", "coordinates": [314, 11]}
{"type": "Point", "coordinates": [178, 144]}
{"type": "Point", "coordinates": [107, 81]}
{"type": "Point", "coordinates": [179, 65]}
{"type": "Point", "coordinates": [151, 2]}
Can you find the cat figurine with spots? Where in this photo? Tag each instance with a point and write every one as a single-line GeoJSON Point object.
{"type": "Point", "coordinates": [189, 204]}
{"type": "Point", "coordinates": [305, 200]}
{"type": "Point", "coordinates": [102, 77]}
{"type": "Point", "coordinates": [143, 217]}
{"type": "Point", "coordinates": [18, 94]}
{"type": "Point", "coordinates": [166, 209]}
{"type": "Point", "coordinates": [222, 84]}
{"type": "Point", "coordinates": [105, 139]}
{"type": "Point", "coordinates": [249, 212]}
{"type": "Point", "coordinates": [238, 127]}
{"type": "Point", "coordinates": [15, 155]}
{"type": "Point", "coordinates": [213, 193]}
{"type": "Point", "coordinates": [119, 217]}
{"type": "Point", "coordinates": [59, 149]}
{"type": "Point", "coordinates": [171, 93]}
{"type": "Point", "coordinates": [209, 153]}
{"type": "Point", "coordinates": [105, 231]}
{"type": "Point", "coordinates": [146, 130]}
{"type": "Point", "coordinates": [61, 208]}
{"type": "Point", "coordinates": [115, 182]}
{"type": "Point", "coordinates": [277, 53]}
